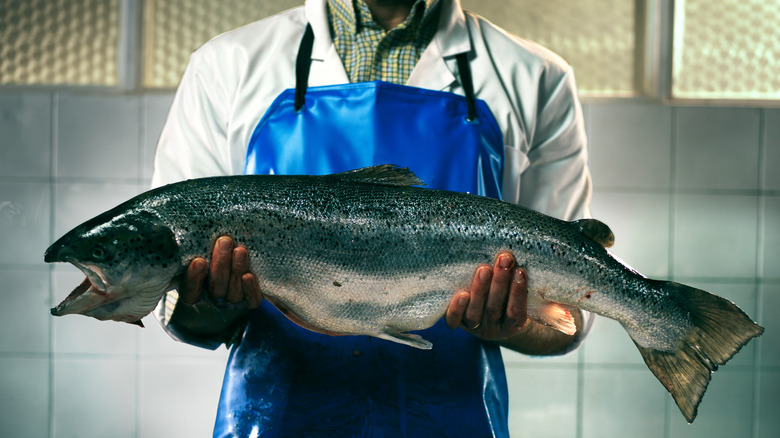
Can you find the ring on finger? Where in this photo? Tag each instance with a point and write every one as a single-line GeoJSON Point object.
{"type": "Point", "coordinates": [476, 325]}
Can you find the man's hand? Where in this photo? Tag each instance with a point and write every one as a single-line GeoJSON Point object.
{"type": "Point", "coordinates": [226, 281]}
{"type": "Point", "coordinates": [496, 309]}
{"type": "Point", "coordinates": [496, 305]}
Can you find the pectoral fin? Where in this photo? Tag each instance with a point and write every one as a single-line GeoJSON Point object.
{"type": "Point", "coordinates": [555, 315]}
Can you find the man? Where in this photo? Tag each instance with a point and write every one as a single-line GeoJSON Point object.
{"type": "Point", "coordinates": [518, 134]}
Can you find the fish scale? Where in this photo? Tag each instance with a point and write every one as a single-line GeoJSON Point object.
{"type": "Point", "coordinates": [366, 253]}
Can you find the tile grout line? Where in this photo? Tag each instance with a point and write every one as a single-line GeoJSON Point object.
{"type": "Point", "coordinates": [672, 211]}
{"type": "Point", "coordinates": [580, 395]}
{"type": "Point", "coordinates": [580, 402]}
{"type": "Point", "coordinates": [139, 338]}
{"type": "Point", "coordinates": [54, 146]}
{"type": "Point", "coordinates": [761, 205]}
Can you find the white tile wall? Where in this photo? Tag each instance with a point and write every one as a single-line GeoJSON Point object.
{"type": "Point", "coordinates": [680, 188]}
{"type": "Point", "coordinates": [640, 223]}
{"type": "Point", "coordinates": [770, 244]}
{"type": "Point", "coordinates": [717, 148]}
{"type": "Point", "coordinates": [630, 145]}
{"type": "Point", "coordinates": [25, 143]}
{"type": "Point", "coordinates": [725, 411]}
{"type": "Point", "coordinates": [98, 136]}
{"type": "Point", "coordinates": [610, 344]}
{"type": "Point", "coordinates": [155, 110]}
{"type": "Point", "coordinates": [771, 162]}
{"type": "Point", "coordinates": [24, 292]}
{"type": "Point", "coordinates": [179, 397]}
{"type": "Point", "coordinates": [25, 218]}
{"type": "Point", "coordinates": [622, 402]}
{"type": "Point", "coordinates": [543, 402]}
{"type": "Point", "coordinates": [769, 344]}
{"type": "Point", "coordinates": [715, 235]}
{"type": "Point", "coordinates": [769, 405]}
{"type": "Point", "coordinates": [94, 397]}
{"type": "Point", "coordinates": [24, 384]}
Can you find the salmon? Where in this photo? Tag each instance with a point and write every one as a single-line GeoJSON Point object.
{"type": "Point", "coordinates": [368, 252]}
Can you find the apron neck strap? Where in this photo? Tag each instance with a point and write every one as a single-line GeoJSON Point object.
{"type": "Point", "coordinates": [303, 65]}
{"type": "Point", "coordinates": [464, 70]}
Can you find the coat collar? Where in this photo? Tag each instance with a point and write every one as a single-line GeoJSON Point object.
{"type": "Point", "coordinates": [431, 71]}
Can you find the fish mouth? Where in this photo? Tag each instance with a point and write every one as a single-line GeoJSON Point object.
{"type": "Point", "coordinates": [89, 295]}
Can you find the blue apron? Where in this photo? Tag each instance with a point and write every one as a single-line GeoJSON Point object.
{"type": "Point", "coordinates": [285, 381]}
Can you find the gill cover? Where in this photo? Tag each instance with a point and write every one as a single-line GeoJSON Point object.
{"type": "Point", "coordinates": [109, 249]}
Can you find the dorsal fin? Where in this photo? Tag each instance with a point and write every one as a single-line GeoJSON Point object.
{"type": "Point", "coordinates": [383, 174]}
{"type": "Point", "coordinates": [596, 230]}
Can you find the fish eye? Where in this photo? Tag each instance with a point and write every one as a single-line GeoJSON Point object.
{"type": "Point", "coordinates": [98, 252]}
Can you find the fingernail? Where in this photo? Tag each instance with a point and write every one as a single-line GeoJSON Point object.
{"type": "Point", "coordinates": [224, 244]}
{"type": "Point", "coordinates": [198, 266]}
{"type": "Point", "coordinates": [463, 300]}
{"type": "Point", "coordinates": [239, 256]}
{"type": "Point", "coordinates": [484, 275]}
{"type": "Point", "coordinates": [519, 276]}
{"type": "Point", "coordinates": [505, 262]}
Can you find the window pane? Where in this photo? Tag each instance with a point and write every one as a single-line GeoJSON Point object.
{"type": "Point", "coordinates": [173, 29]}
{"type": "Point", "coordinates": [726, 49]}
{"type": "Point", "coordinates": [59, 42]}
{"type": "Point", "coordinates": [597, 37]}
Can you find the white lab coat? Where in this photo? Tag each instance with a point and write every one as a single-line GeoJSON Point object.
{"type": "Point", "coordinates": [232, 80]}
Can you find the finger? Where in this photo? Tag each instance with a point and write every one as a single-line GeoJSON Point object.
{"type": "Point", "coordinates": [499, 289]}
{"type": "Point", "coordinates": [193, 281]}
{"type": "Point", "coordinates": [480, 286]}
{"type": "Point", "coordinates": [251, 289]}
{"type": "Point", "coordinates": [517, 303]}
{"type": "Point", "coordinates": [239, 267]}
{"type": "Point", "coordinates": [219, 271]}
{"type": "Point", "coordinates": [457, 309]}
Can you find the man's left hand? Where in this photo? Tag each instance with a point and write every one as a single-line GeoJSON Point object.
{"type": "Point", "coordinates": [495, 307]}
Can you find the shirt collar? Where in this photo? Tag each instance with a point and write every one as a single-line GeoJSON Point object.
{"type": "Point", "coordinates": [354, 14]}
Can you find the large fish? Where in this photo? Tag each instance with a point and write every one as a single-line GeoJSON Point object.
{"type": "Point", "coordinates": [364, 252]}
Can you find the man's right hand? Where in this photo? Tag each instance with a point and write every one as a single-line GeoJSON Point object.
{"type": "Point", "coordinates": [226, 281]}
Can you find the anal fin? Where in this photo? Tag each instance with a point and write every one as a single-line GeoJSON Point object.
{"type": "Point", "coordinates": [409, 339]}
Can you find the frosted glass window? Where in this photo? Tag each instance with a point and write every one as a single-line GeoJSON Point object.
{"type": "Point", "coordinates": [597, 37]}
{"type": "Point", "coordinates": [59, 42]}
{"type": "Point", "coordinates": [173, 29]}
{"type": "Point", "coordinates": [726, 49]}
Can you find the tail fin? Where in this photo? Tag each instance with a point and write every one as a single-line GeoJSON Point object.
{"type": "Point", "coordinates": [720, 329]}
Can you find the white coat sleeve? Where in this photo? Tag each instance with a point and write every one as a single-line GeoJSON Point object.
{"type": "Point", "coordinates": [193, 142]}
{"type": "Point", "coordinates": [557, 180]}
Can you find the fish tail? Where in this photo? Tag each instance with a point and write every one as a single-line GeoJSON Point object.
{"type": "Point", "coordinates": [719, 330]}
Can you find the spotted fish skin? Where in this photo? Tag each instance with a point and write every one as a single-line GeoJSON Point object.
{"type": "Point", "coordinates": [366, 252]}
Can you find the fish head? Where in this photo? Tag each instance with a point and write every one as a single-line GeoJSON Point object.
{"type": "Point", "coordinates": [130, 259]}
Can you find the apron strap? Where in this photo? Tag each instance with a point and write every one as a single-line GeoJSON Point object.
{"type": "Point", "coordinates": [464, 70]}
{"type": "Point", "coordinates": [303, 65]}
